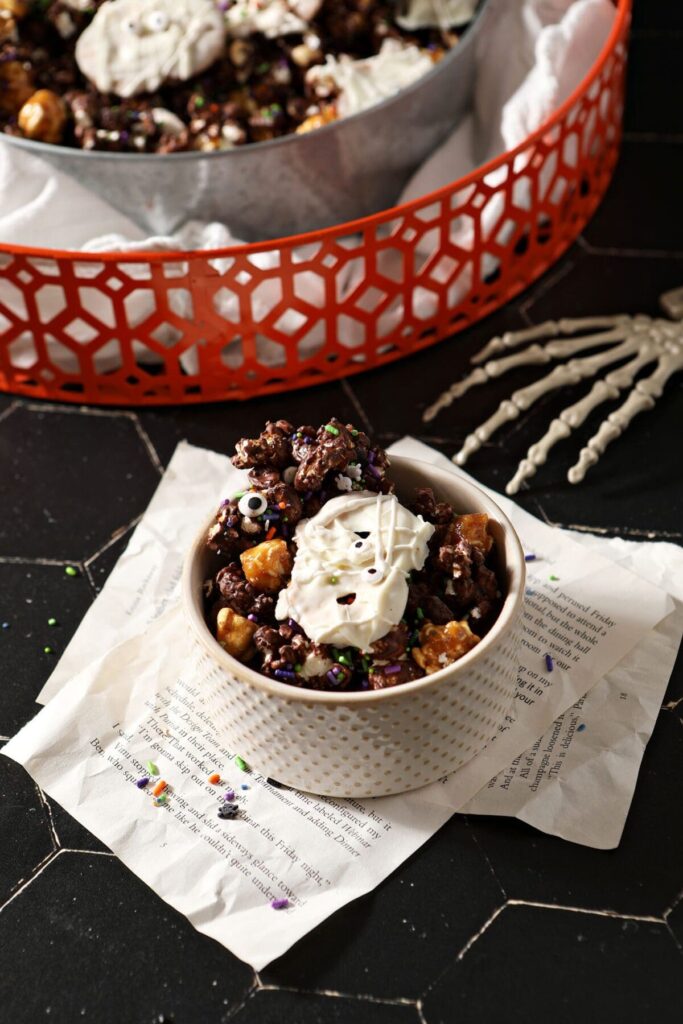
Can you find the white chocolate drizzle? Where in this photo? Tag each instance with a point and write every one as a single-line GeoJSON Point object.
{"type": "Point", "coordinates": [436, 14]}
{"type": "Point", "coordinates": [272, 18]}
{"type": "Point", "coordinates": [360, 84]}
{"type": "Point", "coordinates": [134, 46]}
{"type": "Point", "coordinates": [359, 544]}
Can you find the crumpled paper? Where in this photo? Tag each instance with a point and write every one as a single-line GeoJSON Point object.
{"type": "Point", "coordinates": [129, 688]}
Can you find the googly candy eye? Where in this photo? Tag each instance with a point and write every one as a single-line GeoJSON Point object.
{"type": "Point", "coordinates": [372, 575]}
{"type": "Point", "coordinates": [157, 21]}
{"type": "Point", "coordinates": [360, 546]}
{"type": "Point", "coordinates": [252, 504]}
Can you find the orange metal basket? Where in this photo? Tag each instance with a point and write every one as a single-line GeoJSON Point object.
{"type": "Point", "coordinates": [156, 328]}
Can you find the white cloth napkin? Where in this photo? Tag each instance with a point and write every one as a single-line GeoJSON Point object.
{"type": "Point", "coordinates": [529, 61]}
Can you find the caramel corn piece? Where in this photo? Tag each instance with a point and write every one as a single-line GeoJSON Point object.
{"type": "Point", "coordinates": [268, 565]}
{"type": "Point", "coordinates": [234, 633]}
{"type": "Point", "coordinates": [442, 645]}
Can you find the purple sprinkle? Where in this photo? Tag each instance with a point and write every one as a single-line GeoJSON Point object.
{"type": "Point", "coordinates": [252, 618]}
{"type": "Point", "coordinates": [549, 663]}
{"type": "Point", "coordinates": [332, 677]}
{"type": "Point", "coordinates": [375, 472]}
{"type": "Point", "coordinates": [391, 670]}
{"type": "Point", "coordinates": [581, 727]}
{"type": "Point", "coordinates": [283, 673]}
{"type": "Point", "coordinates": [230, 795]}
{"type": "Point", "coordinates": [280, 904]}
{"type": "Point", "coordinates": [271, 514]}
{"type": "Point", "coordinates": [371, 457]}
{"type": "Point", "coordinates": [530, 558]}
{"type": "Point", "coordinates": [244, 786]}
{"type": "Point", "coordinates": [365, 684]}
{"type": "Point", "coordinates": [292, 624]}
{"type": "Point", "coordinates": [141, 783]}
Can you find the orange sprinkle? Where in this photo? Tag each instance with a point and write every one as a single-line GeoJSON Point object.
{"type": "Point", "coordinates": [271, 533]}
{"type": "Point", "coordinates": [160, 787]}
{"type": "Point", "coordinates": [282, 504]}
{"type": "Point", "coordinates": [214, 778]}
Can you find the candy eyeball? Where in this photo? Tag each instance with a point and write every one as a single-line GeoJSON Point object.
{"type": "Point", "coordinates": [157, 21]}
{"type": "Point", "coordinates": [252, 504]}
{"type": "Point", "coordinates": [372, 575]}
{"type": "Point", "coordinates": [359, 548]}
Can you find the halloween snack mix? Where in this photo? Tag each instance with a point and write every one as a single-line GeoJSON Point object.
{"type": "Point", "coordinates": [158, 76]}
{"type": "Point", "coordinates": [328, 581]}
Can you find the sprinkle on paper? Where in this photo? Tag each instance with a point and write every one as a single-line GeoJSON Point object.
{"type": "Point", "coordinates": [280, 904]}
{"type": "Point", "coordinates": [581, 727]}
{"type": "Point", "coordinates": [530, 558]}
{"type": "Point", "coordinates": [152, 768]}
{"type": "Point", "coordinates": [229, 795]}
{"type": "Point", "coordinates": [141, 783]}
{"type": "Point", "coordinates": [214, 778]}
{"type": "Point", "coordinates": [160, 787]}
{"type": "Point", "coordinates": [241, 764]}
{"type": "Point", "coordinates": [549, 663]}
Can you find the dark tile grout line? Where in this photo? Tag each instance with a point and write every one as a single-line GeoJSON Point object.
{"type": "Point", "coordinates": [238, 1007]}
{"type": "Point", "coordinates": [628, 253]}
{"type": "Point", "coordinates": [120, 532]}
{"type": "Point", "coordinates": [333, 993]}
{"type": "Point", "coordinates": [24, 883]}
{"type": "Point", "coordinates": [353, 398]}
{"type": "Point", "coordinates": [9, 410]}
{"type": "Point", "coordinates": [612, 914]}
{"type": "Point", "coordinates": [485, 855]}
{"type": "Point", "coordinates": [147, 442]}
{"type": "Point", "coordinates": [48, 562]}
{"type": "Point", "coordinates": [56, 845]}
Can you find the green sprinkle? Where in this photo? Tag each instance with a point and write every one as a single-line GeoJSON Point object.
{"type": "Point", "coordinates": [199, 102]}
{"type": "Point", "coordinates": [70, 571]}
{"type": "Point", "coordinates": [241, 764]}
{"type": "Point", "coordinates": [52, 621]}
{"type": "Point", "coordinates": [161, 799]}
{"type": "Point", "coordinates": [48, 649]}
{"type": "Point", "coordinates": [240, 494]}
{"type": "Point", "coordinates": [334, 579]}
{"type": "Point", "coordinates": [343, 660]}
{"type": "Point", "coordinates": [354, 432]}
{"type": "Point", "coordinates": [554, 577]}
{"type": "Point", "coordinates": [297, 668]}
{"type": "Point", "coordinates": [263, 67]}
{"type": "Point", "coordinates": [331, 430]}
{"type": "Point", "coordinates": [152, 768]}
{"type": "Point", "coordinates": [419, 614]}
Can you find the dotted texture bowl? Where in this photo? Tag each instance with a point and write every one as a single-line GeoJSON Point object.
{"type": "Point", "coordinates": [377, 742]}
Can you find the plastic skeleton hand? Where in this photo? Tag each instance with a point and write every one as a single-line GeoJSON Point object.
{"type": "Point", "coordinates": [644, 339]}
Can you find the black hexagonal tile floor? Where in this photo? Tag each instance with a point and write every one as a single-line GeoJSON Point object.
{"type": "Point", "coordinates": [392, 942]}
{"type": "Point", "coordinates": [135, 959]}
{"type": "Point", "coordinates": [642, 876]}
{"type": "Point", "coordinates": [71, 835]}
{"type": "Point", "coordinates": [268, 1007]}
{"type": "Point", "coordinates": [30, 595]}
{"type": "Point", "coordinates": [77, 478]}
{"type": "Point", "coordinates": [568, 967]}
{"type": "Point", "coordinates": [26, 838]}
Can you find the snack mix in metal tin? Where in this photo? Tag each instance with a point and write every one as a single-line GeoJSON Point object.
{"type": "Point", "coordinates": [161, 76]}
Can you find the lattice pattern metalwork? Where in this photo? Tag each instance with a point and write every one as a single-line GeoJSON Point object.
{"type": "Point", "coordinates": [191, 327]}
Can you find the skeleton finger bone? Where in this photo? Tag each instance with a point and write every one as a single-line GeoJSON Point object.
{"type": "Point", "coordinates": [574, 415]}
{"type": "Point", "coordinates": [639, 400]}
{"type": "Point", "coordinates": [534, 355]}
{"type": "Point", "coordinates": [548, 329]}
{"type": "Point", "coordinates": [567, 373]}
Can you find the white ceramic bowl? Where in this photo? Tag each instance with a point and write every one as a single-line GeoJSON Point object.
{"type": "Point", "coordinates": [375, 742]}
